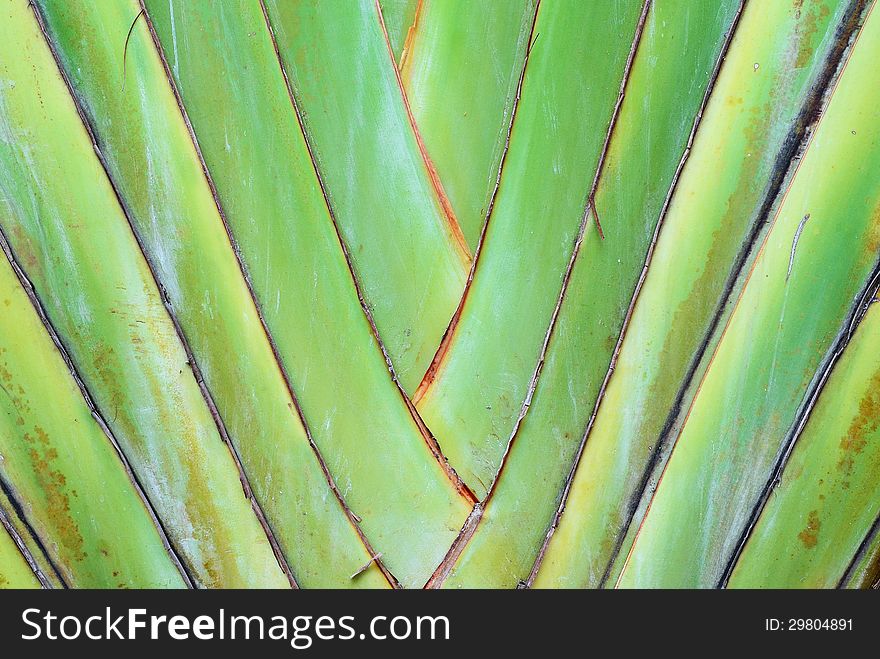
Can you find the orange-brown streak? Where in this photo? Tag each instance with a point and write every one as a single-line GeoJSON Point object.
{"type": "Point", "coordinates": [452, 222]}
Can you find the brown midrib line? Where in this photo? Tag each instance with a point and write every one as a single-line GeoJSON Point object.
{"type": "Point", "coordinates": [446, 341]}
{"type": "Point", "coordinates": [822, 100]}
{"type": "Point", "coordinates": [21, 545]}
{"type": "Point", "coordinates": [458, 545]}
{"type": "Point", "coordinates": [458, 239]}
{"type": "Point", "coordinates": [31, 293]}
{"type": "Point", "coordinates": [350, 515]}
{"type": "Point", "coordinates": [429, 439]}
{"type": "Point", "coordinates": [206, 394]}
{"type": "Point", "coordinates": [445, 568]}
{"type": "Point", "coordinates": [851, 322]}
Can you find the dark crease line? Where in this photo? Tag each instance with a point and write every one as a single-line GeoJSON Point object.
{"type": "Point", "coordinates": [446, 340]}
{"type": "Point", "coordinates": [821, 101]}
{"type": "Point", "coordinates": [846, 39]}
{"type": "Point", "coordinates": [820, 379]}
{"type": "Point", "coordinates": [634, 299]}
{"type": "Point", "coordinates": [566, 279]}
{"type": "Point", "coordinates": [45, 582]}
{"type": "Point", "coordinates": [30, 291]}
{"type": "Point", "coordinates": [125, 47]}
{"type": "Point", "coordinates": [456, 548]}
{"type": "Point", "coordinates": [591, 199]}
{"type": "Point", "coordinates": [246, 486]}
{"type": "Point", "coordinates": [794, 144]}
{"type": "Point", "coordinates": [429, 439]}
{"type": "Point", "coordinates": [860, 555]}
{"type": "Point", "coordinates": [184, 570]}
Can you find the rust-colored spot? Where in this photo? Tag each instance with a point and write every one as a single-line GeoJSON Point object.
{"type": "Point", "coordinates": [806, 32]}
{"type": "Point", "coordinates": [810, 535]}
{"type": "Point", "coordinates": [861, 427]}
{"type": "Point", "coordinates": [52, 482]}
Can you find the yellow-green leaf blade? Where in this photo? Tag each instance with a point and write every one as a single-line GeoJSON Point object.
{"type": "Point", "coordinates": [864, 570]}
{"type": "Point", "coordinates": [792, 307]}
{"type": "Point", "coordinates": [142, 131]}
{"type": "Point", "coordinates": [663, 98]}
{"type": "Point", "coordinates": [742, 143]}
{"type": "Point", "coordinates": [400, 19]}
{"type": "Point", "coordinates": [70, 235]}
{"type": "Point", "coordinates": [14, 569]}
{"type": "Point", "coordinates": [59, 465]}
{"type": "Point", "coordinates": [828, 495]}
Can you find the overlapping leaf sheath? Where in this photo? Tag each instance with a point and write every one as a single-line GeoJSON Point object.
{"type": "Point", "coordinates": [461, 73]}
{"type": "Point", "coordinates": [254, 148]}
{"type": "Point", "coordinates": [57, 463]}
{"type": "Point", "coordinates": [14, 569]}
{"type": "Point", "coordinates": [400, 232]}
{"type": "Point", "coordinates": [68, 232]}
{"type": "Point", "coordinates": [663, 99]}
{"type": "Point", "coordinates": [828, 493]}
{"type": "Point", "coordinates": [156, 169]}
{"type": "Point", "coordinates": [567, 102]}
{"type": "Point", "coordinates": [797, 299]}
{"type": "Point", "coordinates": [11, 516]}
{"type": "Point", "coordinates": [400, 19]}
{"type": "Point", "coordinates": [754, 120]}
{"type": "Point", "coordinates": [864, 569]}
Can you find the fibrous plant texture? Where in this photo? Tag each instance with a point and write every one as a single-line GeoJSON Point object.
{"type": "Point", "coordinates": [439, 293]}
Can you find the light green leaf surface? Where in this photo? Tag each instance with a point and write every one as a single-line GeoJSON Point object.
{"type": "Point", "coordinates": [828, 494]}
{"type": "Point", "coordinates": [568, 97]}
{"type": "Point", "coordinates": [253, 146]}
{"type": "Point", "coordinates": [150, 155]}
{"type": "Point", "coordinates": [400, 18]}
{"type": "Point", "coordinates": [460, 74]}
{"type": "Point", "coordinates": [646, 146]}
{"type": "Point", "coordinates": [67, 230]}
{"type": "Point", "coordinates": [797, 295]}
{"type": "Point", "coordinates": [746, 136]}
{"type": "Point", "coordinates": [55, 459]}
{"type": "Point", "coordinates": [14, 569]}
{"type": "Point", "coordinates": [402, 244]}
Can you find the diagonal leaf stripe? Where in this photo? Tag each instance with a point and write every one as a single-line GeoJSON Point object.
{"type": "Point", "coordinates": [349, 411]}
{"type": "Point", "coordinates": [722, 451]}
{"type": "Point", "coordinates": [826, 494]}
{"type": "Point", "coordinates": [754, 122]}
{"type": "Point", "coordinates": [464, 105]}
{"type": "Point", "coordinates": [15, 570]}
{"type": "Point", "coordinates": [478, 389]}
{"type": "Point", "coordinates": [57, 461]}
{"type": "Point", "coordinates": [410, 265]}
{"type": "Point", "coordinates": [77, 249]}
{"type": "Point", "coordinates": [633, 177]}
